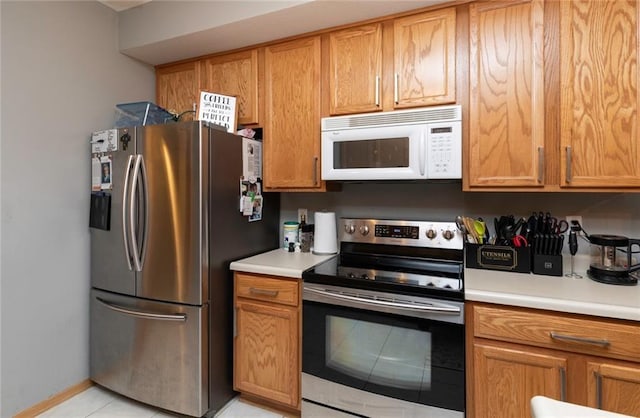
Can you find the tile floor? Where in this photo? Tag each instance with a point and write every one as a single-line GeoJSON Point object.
{"type": "Point", "coordinates": [97, 402]}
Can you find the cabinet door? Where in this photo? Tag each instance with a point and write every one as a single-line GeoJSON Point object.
{"type": "Point", "coordinates": [292, 115]}
{"type": "Point", "coordinates": [178, 88]}
{"type": "Point", "coordinates": [599, 94]}
{"type": "Point", "coordinates": [506, 109]}
{"type": "Point", "coordinates": [355, 65]}
{"type": "Point", "coordinates": [235, 75]}
{"type": "Point", "coordinates": [506, 379]}
{"type": "Point", "coordinates": [614, 387]}
{"type": "Point", "coordinates": [266, 351]}
{"type": "Point", "coordinates": [425, 59]}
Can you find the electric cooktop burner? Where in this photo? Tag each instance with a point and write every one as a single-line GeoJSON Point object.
{"type": "Point", "coordinates": [409, 257]}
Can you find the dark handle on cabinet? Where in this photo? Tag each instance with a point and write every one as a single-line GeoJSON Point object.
{"type": "Point", "coordinates": [563, 384]}
{"type": "Point", "coordinates": [540, 164]}
{"type": "Point", "coordinates": [263, 292]}
{"type": "Point", "coordinates": [377, 92]}
{"type": "Point", "coordinates": [582, 340]}
{"type": "Point", "coordinates": [315, 171]}
{"type": "Point", "coordinates": [598, 377]}
{"type": "Point", "coordinates": [569, 174]}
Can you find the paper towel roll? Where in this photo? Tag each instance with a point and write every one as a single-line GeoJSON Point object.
{"type": "Point", "coordinates": [325, 238]}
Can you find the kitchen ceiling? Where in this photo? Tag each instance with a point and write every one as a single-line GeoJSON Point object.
{"type": "Point", "coordinates": [160, 32]}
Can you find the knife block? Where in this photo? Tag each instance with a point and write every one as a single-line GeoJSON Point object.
{"type": "Point", "coordinates": [548, 265]}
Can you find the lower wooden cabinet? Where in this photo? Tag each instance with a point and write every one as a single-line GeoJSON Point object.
{"type": "Point", "coordinates": [514, 354]}
{"type": "Point", "coordinates": [267, 338]}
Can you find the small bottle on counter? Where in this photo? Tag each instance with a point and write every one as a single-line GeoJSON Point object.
{"type": "Point", "coordinates": [306, 237]}
{"type": "Point", "coordinates": [290, 233]}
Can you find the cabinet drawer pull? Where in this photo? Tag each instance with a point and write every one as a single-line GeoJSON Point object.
{"type": "Point", "coordinates": [569, 174]}
{"type": "Point", "coordinates": [598, 390]}
{"type": "Point", "coordinates": [263, 292]}
{"type": "Point", "coordinates": [563, 384]}
{"type": "Point", "coordinates": [396, 82]}
{"type": "Point", "coordinates": [602, 343]}
{"type": "Point", "coordinates": [315, 171]}
{"type": "Point", "coordinates": [540, 163]}
{"type": "Point", "coordinates": [377, 92]}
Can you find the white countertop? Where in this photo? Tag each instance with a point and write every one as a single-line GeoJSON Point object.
{"type": "Point", "coordinates": [543, 407]}
{"type": "Point", "coordinates": [279, 262]}
{"type": "Point", "coordinates": [564, 294]}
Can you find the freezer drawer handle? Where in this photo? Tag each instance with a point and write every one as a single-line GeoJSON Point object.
{"type": "Point", "coordinates": [264, 292]}
{"type": "Point", "coordinates": [142, 314]}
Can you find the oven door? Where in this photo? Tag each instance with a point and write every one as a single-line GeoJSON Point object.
{"type": "Point", "coordinates": [374, 356]}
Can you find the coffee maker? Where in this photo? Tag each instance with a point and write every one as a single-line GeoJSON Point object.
{"type": "Point", "coordinates": [612, 260]}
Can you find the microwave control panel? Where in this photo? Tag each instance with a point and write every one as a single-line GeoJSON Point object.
{"type": "Point", "coordinates": [444, 150]}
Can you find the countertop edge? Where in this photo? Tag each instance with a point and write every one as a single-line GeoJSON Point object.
{"type": "Point", "coordinates": [560, 305]}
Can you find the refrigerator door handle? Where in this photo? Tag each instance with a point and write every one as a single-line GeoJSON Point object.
{"type": "Point", "coordinates": [132, 214]}
{"type": "Point", "coordinates": [142, 314]}
{"type": "Point", "coordinates": [145, 202]}
{"type": "Point", "coordinates": [125, 239]}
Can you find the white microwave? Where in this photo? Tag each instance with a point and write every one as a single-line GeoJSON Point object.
{"type": "Point", "coordinates": [417, 144]}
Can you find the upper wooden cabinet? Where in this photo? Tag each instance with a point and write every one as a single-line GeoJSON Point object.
{"type": "Point", "coordinates": [235, 75]}
{"type": "Point", "coordinates": [506, 109]}
{"type": "Point", "coordinates": [178, 88]}
{"type": "Point", "coordinates": [425, 59]}
{"type": "Point", "coordinates": [599, 94]}
{"type": "Point", "coordinates": [355, 65]}
{"type": "Point", "coordinates": [403, 63]}
{"type": "Point", "coordinates": [292, 116]}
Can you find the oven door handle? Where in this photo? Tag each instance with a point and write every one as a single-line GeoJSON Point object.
{"type": "Point", "coordinates": [437, 308]}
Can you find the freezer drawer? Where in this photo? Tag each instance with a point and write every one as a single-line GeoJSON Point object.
{"type": "Point", "coordinates": [153, 352]}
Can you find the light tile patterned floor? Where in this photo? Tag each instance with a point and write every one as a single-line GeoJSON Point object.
{"type": "Point", "coordinates": [97, 402]}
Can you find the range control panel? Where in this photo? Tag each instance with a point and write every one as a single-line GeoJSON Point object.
{"type": "Point", "coordinates": [396, 232]}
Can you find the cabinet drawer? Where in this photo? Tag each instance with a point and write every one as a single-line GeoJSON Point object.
{"type": "Point", "coordinates": [568, 333]}
{"type": "Point", "coordinates": [267, 288]}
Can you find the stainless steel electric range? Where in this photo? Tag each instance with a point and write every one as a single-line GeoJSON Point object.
{"type": "Point", "coordinates": [383, 323]}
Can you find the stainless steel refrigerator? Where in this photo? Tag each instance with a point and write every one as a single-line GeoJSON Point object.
{"type": "Point", "coordinates": [161, 297]}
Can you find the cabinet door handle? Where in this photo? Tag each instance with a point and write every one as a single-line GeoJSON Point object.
{"type": "Point", "coordinates": [315, 171]}
{"type": "Point", "coordinates": [582, 340]}
{"type": "Point", "coordinates": [540, 164]}
{"type": "Point", "coordinates": [563, 384]}
{"type": "Point", "coordinates": [598, 377]}
{"type": "Point", "coordinates": [377, 92]}
{"type": "Point", "coordinates": [396, 82]}
{"type": "Point", "coordinates": [568, 161]}
{"type": "Point", "coordinates": [263, 292]}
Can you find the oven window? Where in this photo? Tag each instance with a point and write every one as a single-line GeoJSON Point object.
{"type": "Point", "coordinates": [378, 353]}
{"type": "Point", "coordinates": [417, 360]}
{"type": "Point", "coordinates": [373, 153]}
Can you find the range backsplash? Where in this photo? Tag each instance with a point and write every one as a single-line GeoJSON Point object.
{"type": "Point", "coordinates": [611, 213]}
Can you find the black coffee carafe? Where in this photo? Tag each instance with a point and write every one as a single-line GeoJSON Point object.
{"type": "Point", "coordinates": [611, 259]}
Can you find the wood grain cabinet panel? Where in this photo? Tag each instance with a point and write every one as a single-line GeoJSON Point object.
{"type": "Point", "coordinates": [292, 123]}
{"type": "Point", "coordinates": [517, 353]}
{"type": "Point", "coordinates": [266, 347]}
{"type": "Point", "coordinates": [614, 387]}
{"type": "Point", "coordinates": [355, 66]}
{"type": "Point", "coordinates": [178, 88]}
{"type": "Point", "coordinates": [235, 75]}
{"type": "Point", "coordinates": [507, 379]}
{"type": "Point", "coordinates": [425, 59]}
{"type": "Point", "coordinates": [599, 94]}
{"type": "Point", "coordinates": [506, 109]}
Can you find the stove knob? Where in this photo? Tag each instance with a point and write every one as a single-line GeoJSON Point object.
{"type": "Point", "coordinates": [364, 276]}
{"type": "Point", "coordinates": [431, 234]}
{"type": "Point", "coordinates": [448, 235]}
{"type": "Point", "coordinates": [364, 230]}
{"type": "Point", "coordinates": [349, 229]}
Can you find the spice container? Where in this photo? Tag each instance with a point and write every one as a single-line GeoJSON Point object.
{"type": "Point", "coordinates": [306, 237]}
{"type": "Point", "coordinates": [290, 233]}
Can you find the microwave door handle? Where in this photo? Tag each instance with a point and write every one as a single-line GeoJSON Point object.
{"type": "Point", "coordinates": [422, 154]}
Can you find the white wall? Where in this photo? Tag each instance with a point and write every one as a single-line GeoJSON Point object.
{"type": "Point", "coordinates": [62, 74]}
